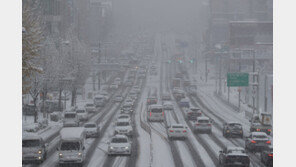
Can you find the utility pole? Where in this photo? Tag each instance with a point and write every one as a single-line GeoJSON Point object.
{"type": "Point", "coordinates": [220, 73]}
{"type": "Point", "coordinates": [253, 94]}
{"type": "Point", "coordinates": [239, 89]}
{"type": "Point", "coordinates": [99, 61]}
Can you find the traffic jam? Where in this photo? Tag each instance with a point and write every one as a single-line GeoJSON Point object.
{"type": "Point", "coordinates": [152, 112]}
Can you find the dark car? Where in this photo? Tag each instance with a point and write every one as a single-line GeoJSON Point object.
{"type": "Point", "coordinates": [234, 156]}
{"type": "Point", "coordinates": [233, 129]}
{"type": "Point", "coordinates": [257, 141]}
{"type": "Point", "coordinates": [267, 157]}
{"type": "Point", "coordinates": [193, 113]}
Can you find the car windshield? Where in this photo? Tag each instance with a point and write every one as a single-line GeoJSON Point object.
{"type": "Point", "coordinates": [89, 125]}
{"type": "Point", "coordinates": [259, 136]}
{"type": "Point", "coordinates": [203, 121]}
{"type": "Point", "coordinates": [236, 151]}
{"type": "Point", "coordinates": [123, 116]}
{"type": "Point", "coordinates": [89, 105]}
{"type": "Point", "coordinates": [31, 143]}
{"type": "Point", "coordinates": [119, 140]}
{"type": "Point", "coordinates": [70, 146]}
{"type": "Point", "coordinates": [195, 109]}
{"type": "Point", "coordinates": [80, 111]}
{"type": "Point", "coordinates": [70, 115]}
{"type": "Point", "coordinates": [235, 126]}
{"type": "Point", "coordinates": [122, 124]}
{"type": "Point", "coordinates": [178, 126]}
{"type": "Point", "coordinates": [156, 110]}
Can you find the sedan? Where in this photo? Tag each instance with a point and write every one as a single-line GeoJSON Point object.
{"type": "Point", "coordinates": [118, 145]}
{"type": "Point", "coordinates": [177, 131]}
{"type": "Point", "coordinates": [257, 141]}
{"type": "Point", "coordinates": [234, 156]}
{"type": "Point", "coordinates": [92, 129]}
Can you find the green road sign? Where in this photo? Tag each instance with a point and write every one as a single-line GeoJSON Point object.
{"type": "Point", "coordinates": [237, 79]}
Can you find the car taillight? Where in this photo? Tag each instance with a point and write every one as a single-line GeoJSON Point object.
{"type": "Point", "coordinates": [150, 114]}
{"type": "Point", "coordinates": [148, 101]}
{"type": "Point", "coordinates": [184, 131]}
{"type": "Point", "coordinates": [269, 130]}
{"type": "Point", "coordinates": [268, 142]}
{"type": "Point", "coordinates": [171, 131]}
{"type": "Point", "coordinates": [257, 130]}
{"type": "Point", "coordinates": [163, 114]}
{"type": "Point", "coordinates": [189, 113]}
{"type": "Point", "coordinates": [253, 141]}
{"type": "Point", "coordinates": [209, 124]}
{"type": "Point", "coordinates": [270, 155]}
{"type": "Point", "coordinates": [197, 124]}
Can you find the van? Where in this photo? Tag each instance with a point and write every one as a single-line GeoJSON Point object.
{"type": "Point", "coordinates": [70, 119]}
{"type": "Point", "coordinates": [155, 113]}
{"type": "Point", "coordinates": [71, 149]}
{"type": "Point", "coordinates": [34, 149]}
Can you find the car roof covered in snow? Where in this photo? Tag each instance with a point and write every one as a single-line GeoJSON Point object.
{"type": "Point", "coordinates": [259, 134]}
{"type": "Point", "coordinates": [72, 133]}
{"type": "Point", "coordinates": [90, 123]}
{"type": "Point", "coordinates": [31, 136]}
{"type": "Point", "coordinates": [155, 106]}
{"type": "Point", "coordinates": [120, 136]}
{"type": "Point", "coordinates": [203, 118]}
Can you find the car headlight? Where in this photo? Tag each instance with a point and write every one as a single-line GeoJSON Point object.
{"type": "Point", "coordinates": [39, 152]}
{"type": "Point", "coordinates": [79, 154]}
{"type": "Point", "coordinates": [126, 148]}
{"type": "Point", "coordinates": [111, 148]}
{"type": "Point", "coordinates": [227, 131]}
{"type": "Point", "coordinates": [60, 155]}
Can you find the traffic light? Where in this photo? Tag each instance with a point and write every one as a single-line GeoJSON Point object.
{"type": "Point", "coordinates": [180, 61]}
{"type": "Point", "coordinates": [191, 61]}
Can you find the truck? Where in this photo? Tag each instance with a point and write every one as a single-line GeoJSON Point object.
{"type": "Point", "coordinates": [71, 149]}
{"type": "Point", "coordinates": [261, 122]}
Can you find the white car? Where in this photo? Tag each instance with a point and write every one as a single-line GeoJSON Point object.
{"type": "Point", "coordinates": [123, 127]}
{"type": "Point", "coordinates": [133, 94]}
{"type": "Point", "coordinates": [119, 144]}
{"type": "Point", "coordinates": [113, 86]}
{"type": "Point", "coordinates": [167, 105]}
{"type": "Point", "coordinates": [117, 81]}
{"type": "Point", "coordinates": [177, 131]}
{"type": "Point", "coordinates": [166, 96]}
{"type": "Point", "coordinates": [136, 88]}
{"type": "Point", "coordinates": [81, 114]}
{"type": "Point", "coordinates": [92, 129]}
{"type": "Point", "coordinates": [203, 124]}
{"type": "Point", "coordinates": [129, 101]}
{"type": "Point", "coordinates": [118, 98]}
{"type": "Point", "coordinates": [34, 149]}
{"type": "Point", "coordinates": [123, 117]}
{"type": "Point", "coordinates": [90, 107]}
{"type": "Point", "coordinates": [127, 108]}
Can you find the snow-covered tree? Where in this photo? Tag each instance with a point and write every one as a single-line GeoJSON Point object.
{"type": "Point", "coordinates": [31, 42]}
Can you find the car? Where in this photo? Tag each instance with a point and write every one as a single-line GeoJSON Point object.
{"type": "Point", "coordinates": [136, 89]}
{"type": "Point", "coordinates": [168, 105]}
{"type": "Point", "coordinates": [129, 100]}
{"type": "Point", "coordinates": [233, 129]}
{"type": "Point", "coordinates": [92, 129]}
{"type": "Point", "coordinates": [133, 94]}
{"type": "Point", "coordinates": [113, 86]}
{"type": "Point", "coordinates": [123, 127]}
{"type": "Point", "coordinates": [90, 107]}
{"type": "Point", "coordinates": [166, 96]}
{"type": "Point", "coordinates": [117, 81]}
{"type": "Point", "coordinates": [234, 156]}
{"type": "Point", "coordinates": [106, 94]}
{"type": "Point", "coordinates": [257, 141]}
{"type": "Point", "coordinates": [127, 108]}
{"type": "Point", "coordinates": [82, 114]}
{"type": "Point", "coordinates": [123, 117]}
{"type": "Point", "coordinates": [119, 145]}
{"type": "Point", "coordinates": [152, 100]}
{"type": "Point", "coordinates": [203, 124]}
{"type": "Point", "coordinates": [34, 149]}
{"type": "Point", "coordinates": [118, 98]}
{"type": "Point", "coordinates": [192, 113]}
{"type": "Point", "coordinates": [267, 157]}
{"type": "Point", "coordinates": [177, 131]}
{"type": "Point", "coordinates": [70, 119]}
{"type": "Point", "coordinates": [155, 113]}
{"type": "Point", "coordinates": [129, 83]}
{"type": "Point", "coordinates": [184, 103]}
{"type": "Point", "coordinates": [100, 100]}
